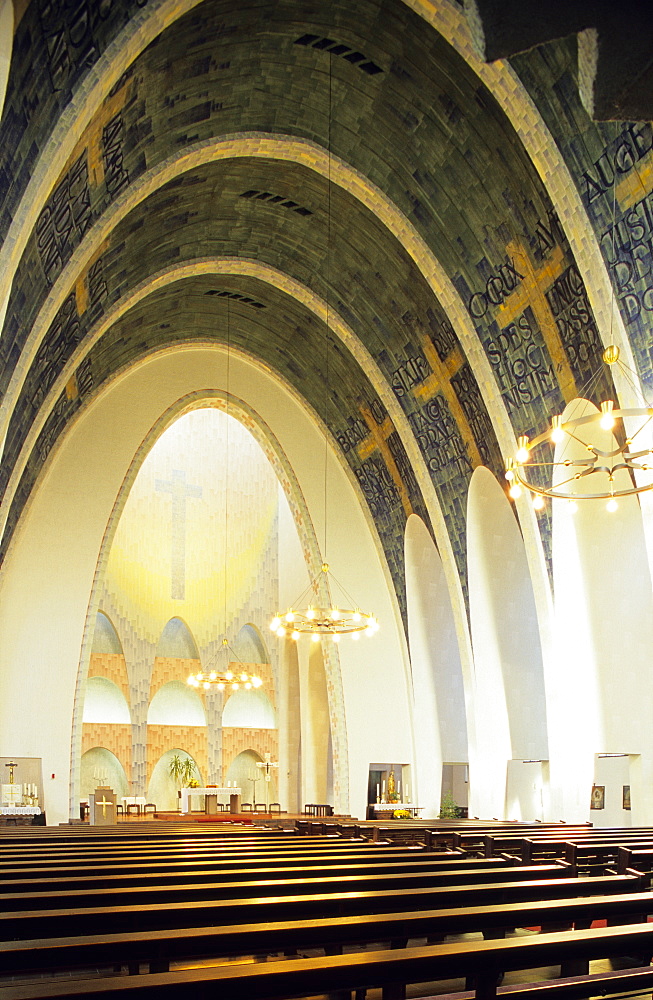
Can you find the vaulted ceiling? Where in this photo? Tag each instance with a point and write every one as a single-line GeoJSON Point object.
{"type": "Point", "coordinates": [346, 191]}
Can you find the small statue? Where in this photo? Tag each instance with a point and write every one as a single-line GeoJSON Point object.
{"type": "Point", "coordinates": [392, 788]}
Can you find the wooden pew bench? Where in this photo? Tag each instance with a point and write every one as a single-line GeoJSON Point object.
{"type": "Point", "coordinates": [158, 948]}
{"type": "Point", "coordinates": [211, 863]}
{"type": "Point", "coordinates": [82, 879]}
{"type": "Point", "coordinates": [139, 916]}
{"type": "Point", "coordinates": [244, 884]}
{"type": "Point", "coordinates": [483, 962]}
{"type": "Point", "coordinates": [475, 840]}
{"type": "Point", "coordinates": [639, 859]}
{"type": "Point", "coordinates": [596, 855]}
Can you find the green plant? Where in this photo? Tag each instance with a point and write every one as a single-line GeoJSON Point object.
{"type": "Point", "coordinates": [448, 807]}
{"type": "Point", "coordinates": [182, 769]}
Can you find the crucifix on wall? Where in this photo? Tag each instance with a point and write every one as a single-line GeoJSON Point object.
{"type": "Point", "coordinates": [266, 767]}
{"type": "Point", "coordinates": [180, 491]}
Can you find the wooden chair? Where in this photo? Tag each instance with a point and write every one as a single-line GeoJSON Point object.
{"type": "Point", "coordinates": [133, 809]}
{"type": "Point", "coordinates": [149, 807]}
{"type": "Point", "coordinates": [260, 807]}
{"type": "Point", "coordinates": [275, 807]}
{"type": "Point", "coordinates": [246, 807]}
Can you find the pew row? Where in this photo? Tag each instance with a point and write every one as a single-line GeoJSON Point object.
{"type": "Point", "coordinates": [391, 970]}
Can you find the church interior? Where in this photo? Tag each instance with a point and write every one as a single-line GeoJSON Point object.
{"type": "Point", "coordinates": [288, 285]}
{"type": "Point", "coordinates": [326, 498]}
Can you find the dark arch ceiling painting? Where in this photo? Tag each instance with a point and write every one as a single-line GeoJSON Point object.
{"type": "Point", "coordinates": [267, 167]}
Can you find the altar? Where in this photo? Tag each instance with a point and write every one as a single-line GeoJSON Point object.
{"type": "Point", "coordinates": [19, 799]}
{"type": "Point", "coordinates": [386, 810]}
{"type": "Point", "coordinates": [233, 793]}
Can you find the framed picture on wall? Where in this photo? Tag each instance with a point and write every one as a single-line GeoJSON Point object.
{"type": "Point", "coordinates": [626, 797]}
{"type": "Point", "coordinates": [598, 797]}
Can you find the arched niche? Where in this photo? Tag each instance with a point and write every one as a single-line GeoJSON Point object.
{"type": "Point", "coordinates": [249, 710]}
{"type": "Point", "coordinates": [316, 737]}
{"type": "Point", "coordinates": [510, 719]}
{"type": "Point", "coordinates": [105, 702]}
{"type": "Point", "coordinates": [99, 766]}
{"type": "Point", "coordinates": [162, 789]}
{"type": "Point", "coordinates": [249, 645]}
{"type": "Point", "coordinates": [176, 704]}
{"type": "Point", "coordinates": [105, 637]}
{"type": "Point", "coordinates": [440, 724]}
{"type": "Point", "coordinates": [604, 623]}
{"type": "Point", "coordinates": [243, 770]}
{"type": "Point", "coordinates": [74, 531]}
{"type": "Point", "coordinates": [177, 642]}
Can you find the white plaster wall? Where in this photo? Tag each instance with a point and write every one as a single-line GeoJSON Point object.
{"type": "Point", "coordinates": [604, 619]}
{"type": "Point", "coordinates": [49, 571]}
{"type": "Point", "coordinates": [510, 710]}
{"type": "Point", "coordinates": [440, 725]}
{"type": "Point", "coordinates": [105, 702]}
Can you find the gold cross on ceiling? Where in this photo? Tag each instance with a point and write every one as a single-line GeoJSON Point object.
{"type": "Point", "coordinates": [439, 382]}
{"type": "Point", "coordinates": [531, 292]}
{"type": "Point", "coordinates": [378, 441]}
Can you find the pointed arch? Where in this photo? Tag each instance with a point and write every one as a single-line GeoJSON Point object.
{"type": "Point", "coordinates": [177, 642]}
{"type": "Point", "coordinates": [511, 720]}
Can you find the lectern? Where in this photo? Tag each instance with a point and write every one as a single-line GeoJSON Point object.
{"type": "Point", "coordinates": [102, 811]}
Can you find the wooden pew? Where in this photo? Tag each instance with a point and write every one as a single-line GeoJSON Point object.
{"type": "Point", "coordinates": [32, 923]}
{"type": "Point", "coordinates": [640, 859]}
{"type": "Point", "coordinates": [245, 883]}
{"type": "Point", "coordinates": [91, 858]}
{"type": "Point", "coordinates": [212, 862]}
{"type": "Point", "coordinates": [82, 879]}
{"type": "Point", "coordinates": [389, 970]}
{"type": "Point", "coordinates": [510, 837]}
{"type": "Point", "coordinates": [159, 948]}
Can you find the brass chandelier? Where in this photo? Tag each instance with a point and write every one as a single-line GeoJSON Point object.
{"type": "Point", "coordinates": [316, 620]}
{"type": "Point", "coordinates": [223, 679]}
{"type": "Point", "coordinates": [590, 473]}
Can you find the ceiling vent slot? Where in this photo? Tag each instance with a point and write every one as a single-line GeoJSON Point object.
{"type": "Point", "coordinates": [276, 199]}
{"type": "Point", "coordinates": [237, 296]}
{"type": "Point", "coordinates": [338, 49]}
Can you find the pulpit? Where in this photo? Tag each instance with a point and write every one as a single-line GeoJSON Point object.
{"type": "Point", "coordinates": [102, 803]}
{"type": "Point", "coordinates": [234, 802]}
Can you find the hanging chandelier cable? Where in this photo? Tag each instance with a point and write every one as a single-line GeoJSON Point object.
{"type": "Point", "coordinates": [343, 616]}
{"type": "Point", "coordinates": [226, 678]}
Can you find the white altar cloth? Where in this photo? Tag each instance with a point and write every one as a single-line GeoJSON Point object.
{"type": "Point", "coordinates": [20, 811]}
{"type": "Point", "coordinates": [187, 792]}
{"type": "Point", "coordinates": [387, 806]}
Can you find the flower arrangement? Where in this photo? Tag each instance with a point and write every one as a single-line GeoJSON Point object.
{"type": "Point", "coordinates": [401, 814]}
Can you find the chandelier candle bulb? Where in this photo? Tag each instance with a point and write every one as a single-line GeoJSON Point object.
{"type": "Point", "coordinates": [522, 449]}
{"type": "Point", "coordinates": [557, 433]}
{"type": "Point", "coordinates": [607, 418]}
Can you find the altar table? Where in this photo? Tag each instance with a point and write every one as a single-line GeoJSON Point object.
{"type": "Point", "coordinates": [186, 793]}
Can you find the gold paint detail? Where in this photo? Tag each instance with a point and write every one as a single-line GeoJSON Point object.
{"type": "Point", "coordinates": [439, 382]}
{"type": "Point", "coordinates": [378, 441]}
{"type": "Point", "coordinates": [81, 295]}
{"type": "Point", "coordinates": [72, 390]}
{"type": "Point", "coordinates": [91, 139]}
{"type": "Point", "coordinates": [531, 293]}
{"type": "Point", "coordinates": [637, 184]}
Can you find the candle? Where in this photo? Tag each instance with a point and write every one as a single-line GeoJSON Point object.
{"type": "Point", "coordinates": [377, 791]}
{"type": "Point", "coordinates": [384, 786]}
{"type": "Point", "coordinates": [399, 789]}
